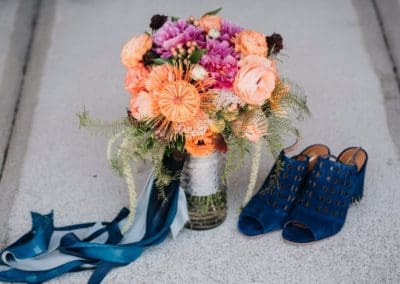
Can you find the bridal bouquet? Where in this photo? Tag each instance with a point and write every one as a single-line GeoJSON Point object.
{"type": "Point", "coordinates": [198, 87]}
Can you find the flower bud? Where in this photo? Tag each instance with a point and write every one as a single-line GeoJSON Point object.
{"type": "Point", "coordinates": [218, 126]}
{"type": "Point", "coordinates": [198, 73]}
{"type": "Point", "coordinates": [214, 33]}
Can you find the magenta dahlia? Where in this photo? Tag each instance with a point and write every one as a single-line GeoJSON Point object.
{"type": "Point", "coordinates": [228, 30]}
{"type": "Point", "coordinates": [221, 62]}
{"type": "Point", "coordinates": [173, 33]}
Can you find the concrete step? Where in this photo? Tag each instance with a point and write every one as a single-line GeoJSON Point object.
{"type": "Point", "coordinates": [15, 29]}
{"type": "Point", "coordinates": [389, 15]}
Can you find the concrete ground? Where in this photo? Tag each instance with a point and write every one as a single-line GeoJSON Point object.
{"type": "Point", "coordinates": [343, 54]}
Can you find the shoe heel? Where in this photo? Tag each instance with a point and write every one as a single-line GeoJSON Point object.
{"type": "Point", "coordinates": [359, 192]}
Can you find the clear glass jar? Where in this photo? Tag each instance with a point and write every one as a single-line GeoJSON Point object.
{"type": "Point", "coordinates": [202, 181]}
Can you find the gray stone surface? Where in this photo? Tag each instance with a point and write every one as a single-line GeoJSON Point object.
{"type": "Point", "coordinates": [389, 11]}
{"type": "Point", "coordinates": [52, 164]}
{"type": "Point", "coordinates": [15, 22]}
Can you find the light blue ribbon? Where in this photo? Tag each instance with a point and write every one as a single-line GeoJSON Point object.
{"type": "Point", "coordinates": [46, 252]}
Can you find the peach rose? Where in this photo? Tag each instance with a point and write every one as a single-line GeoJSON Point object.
{"type": "Point", "coordinates": [255, 80]}
{"type": "Point", "coordinates": [250, 42]}
{"type": "Point", "coordinates": [142, 106]}
{"type": "Point", "coordinates": [134, 79]}
{"type": "Point", "coordinates": [133, 51]}
{"type": "Point", "coordinates": [210, 22]}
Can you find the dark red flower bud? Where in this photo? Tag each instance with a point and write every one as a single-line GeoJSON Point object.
{"type": "Point", "coordinates": [157, 21]}
{"type": "Point", "coordinates": [275, 43]}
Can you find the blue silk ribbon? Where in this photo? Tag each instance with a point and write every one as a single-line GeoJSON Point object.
{"type": "Point", "coordinates": [46, 252]}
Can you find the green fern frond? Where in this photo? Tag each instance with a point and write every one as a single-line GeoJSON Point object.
{"type": "Point", "coordinates": [162, 176]}
{"type": "Point", "coordinates": [138, 144]}
{"type": "Point", "coordinates": [238, 148]}
{"type": "Point", "coordinates": [98, 127]}
{"type": "Point", "coordinates": [295, 99]}
{"type": "Point", "coordinates": [278, 127]}
{"type": "Point", "coordinates": [116, 166]}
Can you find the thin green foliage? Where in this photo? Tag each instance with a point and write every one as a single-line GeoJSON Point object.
{"type": "Point", "coordinates": [137, 141]}
{"type": "Point", "coordinates": [238, 148]}
{"type": "Point", "coordinates": [280, 125]}
{"type": "Point", "coordinates": [213, 12]}
{"type": "Point", "coordinates": [162, 175]}
{"type": "Point", "coordinates": [295, 100]}
{"type": "Point", "coordinates": [101, 128]}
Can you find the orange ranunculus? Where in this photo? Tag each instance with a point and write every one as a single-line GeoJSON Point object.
{"type": "Point", "coordinates": [200, 146]}
{"type": "Point", "coordinates": [159, 76]}
{"type": "Point", "coordinates": [142, 106]}
{"type": "Point", "coordinates": [134, 78]}
{"type": "Point", "coordinates": [255, 80]}
{"type": "Point", "coordinates": [250, 42]}
{"type": "Point", "coordinates": [133, 51]}
{"type": "Point", "coordinates": [210, 22]}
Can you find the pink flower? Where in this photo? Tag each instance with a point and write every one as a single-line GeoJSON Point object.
{"type": "Point", "coordinates": [209, 22]}
{"type": "Point", "coordinates": [173, 33]}
{"type": "Point", "coordinates": [249, 42]}
{"type": "Point", "coordinates": [253, 133]}
{"type": "Point", "coordinates": [229, 30]}
{"type": "Point", "coordinates": [255, 80]}
{"type": "Point", "coordinates": [221, 62]}
{"type": "Point", "coordinates": [134, 79]}
{"type": "Point", "coordinates": [142, 106]}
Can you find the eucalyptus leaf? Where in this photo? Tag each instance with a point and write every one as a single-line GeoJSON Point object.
{"type": "Point", "coordinates": [161, 61]}
{"type": "Point", "coordinates": [214, 12]}
{"type": "Point", "coordinates": [196, 55]}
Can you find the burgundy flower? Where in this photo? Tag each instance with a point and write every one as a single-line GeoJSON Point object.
{"type": "Point", "coordinates": [157, 21]}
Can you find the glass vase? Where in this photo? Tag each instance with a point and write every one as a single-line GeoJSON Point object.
{"type": "Point", "coordinates": [202, 181]}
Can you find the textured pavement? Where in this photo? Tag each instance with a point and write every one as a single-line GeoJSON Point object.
{"type": "Point", "coordinates": [15, 28]}
{"type": "Point", "coordinates": [335, 51]}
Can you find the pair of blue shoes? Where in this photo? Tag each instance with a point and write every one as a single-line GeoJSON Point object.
{"type": "Point", "coordinates": [307, 195]}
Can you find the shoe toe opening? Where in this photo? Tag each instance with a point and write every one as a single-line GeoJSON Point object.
{"type": "Point", "coordinates": [297, 233]}
{"type": "Point", "coordinates": [250, 226]}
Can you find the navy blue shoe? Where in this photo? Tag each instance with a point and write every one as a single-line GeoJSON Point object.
{"type": "Point", "coordinates": [269, 207]}
{"type": "Point", "coordinates": [332, 186]}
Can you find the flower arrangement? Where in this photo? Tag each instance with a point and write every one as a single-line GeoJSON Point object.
{"type": "Point", "coordinates": [197, 86]}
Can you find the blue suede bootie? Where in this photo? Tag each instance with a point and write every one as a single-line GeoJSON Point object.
{"type": "Point", "coordinates": [330, 189]}
{"type": "Point", "coordinates": [268, 209]}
